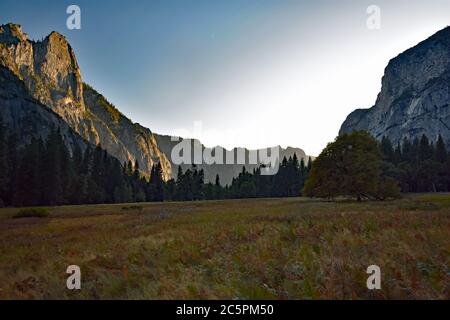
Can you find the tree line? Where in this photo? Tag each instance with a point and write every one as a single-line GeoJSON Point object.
{"type": "Point", "coordinates": [288, 182]}
{"type": "Point", "coordinates": [358, 166]}
{"type": "Point", "coordinates": [46, 173]}
{"type": "Point", "coordinates": [419, 165]}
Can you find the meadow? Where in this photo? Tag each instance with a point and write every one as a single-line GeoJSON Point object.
{"type": "Point", "coordinates": [292, 248]}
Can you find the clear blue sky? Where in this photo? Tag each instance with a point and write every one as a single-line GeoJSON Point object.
{"type": "Point", "coordinates": [255, 72]}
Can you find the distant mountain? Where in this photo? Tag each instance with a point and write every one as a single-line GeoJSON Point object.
{"type": "Point", "coordinates": [415, 95]}
{"type": "Point", "coordinates": [51, 74]}
{"type": "Point", "coordinates": [226, 172]}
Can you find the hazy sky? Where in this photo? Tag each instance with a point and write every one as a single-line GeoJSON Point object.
{"type": "Point", "coordinates": [256, 73]}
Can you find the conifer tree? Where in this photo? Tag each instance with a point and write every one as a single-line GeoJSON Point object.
{"type": "Point", "coordinates": [52, 169]}
{"type": "Point", "coordinates": [440, 154]}
{"type": "Point", "coordinates": [5, 173]}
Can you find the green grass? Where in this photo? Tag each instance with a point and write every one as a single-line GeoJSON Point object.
{"type": "Point", "coordinates": [237, 249]}
{"type": "Point", "coordinates": [31, 212]}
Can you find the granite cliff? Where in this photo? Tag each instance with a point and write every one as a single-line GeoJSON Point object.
{"type": "Point", "coordinates": [51, 75]}
{"type": "Point", "coordinates": [415, 95]}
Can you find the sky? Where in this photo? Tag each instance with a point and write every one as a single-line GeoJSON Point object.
{"type": "Point", "coordinates": [247, 73]}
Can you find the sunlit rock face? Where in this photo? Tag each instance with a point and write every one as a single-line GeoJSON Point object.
{"type": "Point", "coordinates": [51, 74]}
{"type": "Point", "coordinates": [414, 98]}
{"type": "Point", "coordinates": [27, 118]}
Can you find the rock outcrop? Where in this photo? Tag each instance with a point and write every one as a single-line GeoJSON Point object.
{"type": "Point", "coordinates": [27, 118]}
{"type": "Point", "coordinates": [415, 95]}
{"type": "Point", "coordinates": [51, 74]}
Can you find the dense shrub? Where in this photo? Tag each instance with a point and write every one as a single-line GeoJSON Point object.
{"type": "Point", "coordinates": [32, 212]}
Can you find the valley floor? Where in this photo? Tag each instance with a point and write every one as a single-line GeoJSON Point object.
{"type": "Point", "coordinates": [245, 249]}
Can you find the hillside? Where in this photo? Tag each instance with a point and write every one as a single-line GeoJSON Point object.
{"type": "Point", "coordinates": [52, 76]}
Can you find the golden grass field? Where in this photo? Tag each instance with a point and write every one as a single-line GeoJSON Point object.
{"type": "Point", "coordinates": [234, 249]}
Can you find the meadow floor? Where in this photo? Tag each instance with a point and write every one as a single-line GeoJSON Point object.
{"type": "Point", "coordinates": [236, 249]}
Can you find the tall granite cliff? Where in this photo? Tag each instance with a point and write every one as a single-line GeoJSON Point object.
{"type": "Point", "coordinates": [27, 118]}
{"type": "Point", "coordinates": [415, 95]}
{"type": "Point", "coordinates": [51, 74]}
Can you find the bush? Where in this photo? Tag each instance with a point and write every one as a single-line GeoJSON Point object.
{"type": "Point", "coordinates": [133, 208]}
{"type": "Point", "coordinates": [32, 212]}
{"type": "Point", "coordinates": [388, 189]}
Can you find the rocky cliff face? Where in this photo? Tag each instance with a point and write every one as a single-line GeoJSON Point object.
{"type": "Point", "coordinates": [27, 117]}
{"type": "Point", "coordinates": [51, 74]}
{"type": "Point", "coordinates": [415, 95]}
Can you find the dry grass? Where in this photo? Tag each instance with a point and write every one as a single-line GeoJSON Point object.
{"type": "Point", "coordinates": [245, 249]}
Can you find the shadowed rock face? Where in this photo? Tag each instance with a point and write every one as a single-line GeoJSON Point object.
{"type": "Point", "coordinates": [415, 95]}
{"type": "Point", "coordinates": [51, 74]}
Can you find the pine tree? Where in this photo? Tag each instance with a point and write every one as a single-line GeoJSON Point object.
{"type": "Point", "coordinates": [98, 176]}
{"type": "Point", "coordinates": [218, 194]}
{"type": "Point", "coordinates": [440, 154]}
{"type": "Point", "coordinates": [179, 193]}
{"type": "Point", "coordinates": [198, 178]}
{"type": "Point", "coordinates": [186, 186]}
{"type": "Point", "coordinates": [406, 151]}
{"type": "Point", "coordinates": [309, 166]}
{"type": "Point", "coordinates": [397, 154]}
{"type": "Point", "coordinates": [75, 173]}
{"type": "Point", "coordinates": [425, 149]}
{"type": "Point", "coordinates": [157, 183]}
{"type": "Point", "coordinates": [52, 169]}
{"type": "Point", "coordinates": [13, 164]}
{"type": "Point", "coordinates": [29, 176]}
{"type": "Point", "coordinates": [136, 171]}
{"type": "Point", "coordinates": [217, 183]}
{"type": "Point", "coordinates": [302, 168]}
{"type": "Point", "coordinates": [5, 172]}
{"type": "Point", "coordinates": [129, 168]}
{"type": "Point", "coordinates": [387, 151]}
{"type": "Point", "coordinates": [170, 190]}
